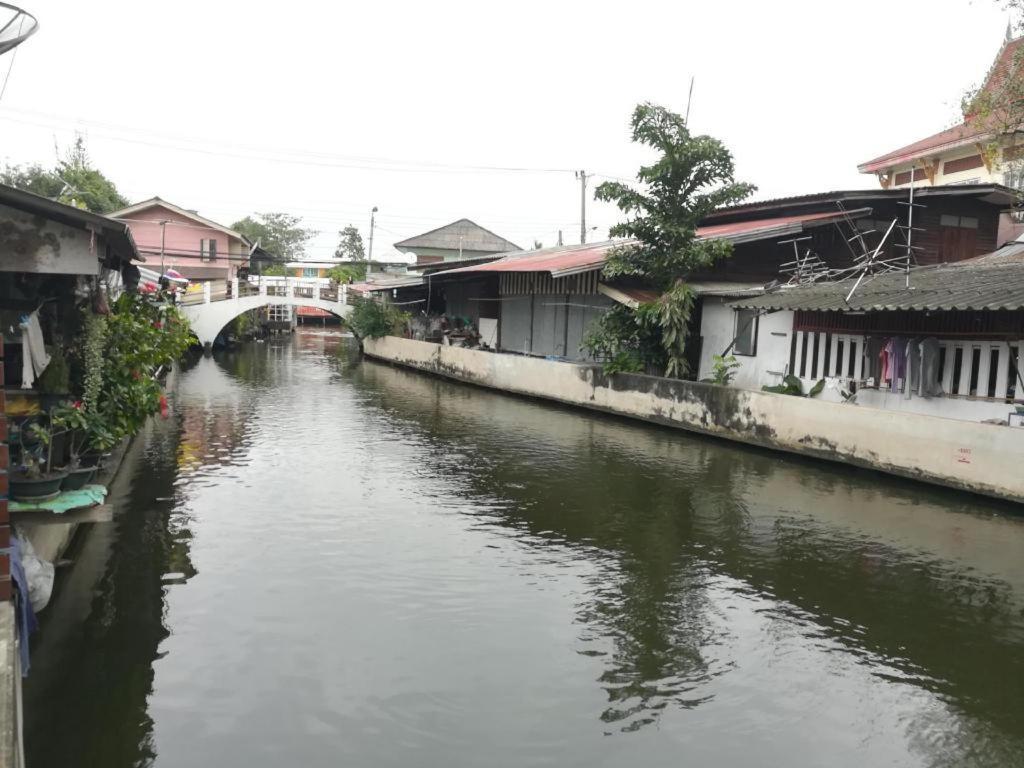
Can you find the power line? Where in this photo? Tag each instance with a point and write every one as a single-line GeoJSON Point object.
{"type": "Point", "coordinates": [272, 154]}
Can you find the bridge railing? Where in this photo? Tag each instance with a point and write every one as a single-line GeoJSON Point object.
{"type": "Point", "coordinates": [322, 289]}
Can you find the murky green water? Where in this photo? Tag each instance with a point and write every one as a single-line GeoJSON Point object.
{"type": "Point", "coordinates": [324, 563]}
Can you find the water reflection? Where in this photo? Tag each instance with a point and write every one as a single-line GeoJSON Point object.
{"type": "Point", "coordinates": [331, 562]}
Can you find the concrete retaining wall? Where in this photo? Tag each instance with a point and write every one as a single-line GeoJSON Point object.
{"type": "Point", "coordinates": [984, 458]}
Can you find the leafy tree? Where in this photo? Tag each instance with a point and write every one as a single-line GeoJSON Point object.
{"type": "Point", "coordinates": [274, 270]}
{"type": "Point", "coordinates": [373, 318]}
{"type": "Point", "coordinates": [347, 273]}
{"type": "Point", "coordinates": [278, 233]}
{"type": "Point", "coordinates": [350, 245]}
{"type": "Point", "coordinates": [73, 181]}
{"type": "Point", "coordinates": [691, 177]}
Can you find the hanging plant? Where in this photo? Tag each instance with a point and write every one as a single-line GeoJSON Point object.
{"type": "Point", "coordinates": [94, 341]}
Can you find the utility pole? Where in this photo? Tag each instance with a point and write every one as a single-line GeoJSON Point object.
{"type": "Point", "coordinates": [369, 252]}
{"type": "Point", "coordinates": [163, 232]}
{"type": "Point", "coordinates": [560, 238]}
{"type": "Point", "coordinates": [582, 176]}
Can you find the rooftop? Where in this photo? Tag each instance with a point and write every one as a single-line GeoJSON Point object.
{"type": "Point", "coordinates": [969, 131]}
{"type": "Point", "coordinates": [562, 261]}
{"type": "Point", "coordinates": [971, 285]}
{"type": "Point", "coordinates": [118, 235]}
{"type": "Point", "coordinates": [461, 235]}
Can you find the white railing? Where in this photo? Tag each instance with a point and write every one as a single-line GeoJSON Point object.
{"type": "Point", "coordinates": [989, 365]}
{"type": "Point", "coordinates": [318, 288]}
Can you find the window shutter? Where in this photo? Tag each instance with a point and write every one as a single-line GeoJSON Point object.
{"type": "Point", "coordinates": [213, 249]}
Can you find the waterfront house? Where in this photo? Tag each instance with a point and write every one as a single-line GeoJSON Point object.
{"type": "Point", "coordinates": [200, 249]}
{"type": "Point", "coordinates": [980, 148]}
{"type": "Point", "coordinates": [543, 302]}
{"type": "Point", "coordinates": [942, 340]}
{"type": "Point", "coordinates": [462, 239]}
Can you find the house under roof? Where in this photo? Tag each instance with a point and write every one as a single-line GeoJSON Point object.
{"type": "Point", "coordinates": [460, 239]}
{"type": "Point", "coordinates": [156, 202]}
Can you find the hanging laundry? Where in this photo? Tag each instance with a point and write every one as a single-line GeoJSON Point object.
{"type": "Point", "coordinates": [884, 363]}
{"type": "Point", "coordinates": [897, 361]}
{"type": "Point", "coordinates": [872, 353]}
{"type": "Point", "coordinates": [34, 355]}
{"type": "Point", "coordinates": [913, 356]}
{"type": "Point", "coordinates": [930, 386]}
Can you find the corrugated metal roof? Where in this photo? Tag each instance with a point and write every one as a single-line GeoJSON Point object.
{"type": "Point", "coordinates": [944, 287]}
{"type": "Point", "coordinates": [562, 261]}
{"type": "Point", "coordinates": [725, 288]}
{"type": "Point", "coordinates": [1011, 253]}
{"type": "Point", "coordinates": [996, 194]}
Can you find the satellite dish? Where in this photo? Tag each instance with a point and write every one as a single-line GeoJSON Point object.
{"type": "Point", "coordinates": [16, 26]}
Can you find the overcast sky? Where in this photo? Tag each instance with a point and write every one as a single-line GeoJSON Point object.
{"type": "Point", "coordinates": [327, 109]}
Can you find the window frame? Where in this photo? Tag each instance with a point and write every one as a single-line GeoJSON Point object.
{"type": "Point", "coordinates": [738, 315]}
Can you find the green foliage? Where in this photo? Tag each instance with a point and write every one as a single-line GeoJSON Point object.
{"type": "Point", "coordinates": [274, 270]}
{"type": "Point", "coordinates": [625, 342]}
{"type": "Point", "coordinates": [791, 385]}
{"type": "Point", "coordinates": [692, 176]}
{"type": "Point", "coordinates": [54, 380]}
{"type": "Point", "coordinates": [723, 369]}
{"type": "Point", "coordinates": [278, 233]}
{"type": "Point", "coordinates": [74, 181]}
{"type": "Point", "coordinates": [142, 336]}
{"type": "Point", "coordinates": [371, 319]}
{"type": "Point", "coordinates": [345, 273]}
{"type": "Point", "coordinates": [350, 245]}
{"type": "Point", "coordinates": [93, 346]}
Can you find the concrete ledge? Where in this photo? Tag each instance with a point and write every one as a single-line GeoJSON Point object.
{"type": "Point", "coordinates": [982, 458]}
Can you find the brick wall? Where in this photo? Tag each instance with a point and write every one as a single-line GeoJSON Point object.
{"type": "Point", "coordinates": [5, 528]}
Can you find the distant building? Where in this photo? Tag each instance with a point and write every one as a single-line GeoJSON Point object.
{"type": "Point", "coordinates": [462, 239]}
{"type": "Point", "coordinates": [198, 248]}
{"type": "Point", "coordinates": [962, 154]}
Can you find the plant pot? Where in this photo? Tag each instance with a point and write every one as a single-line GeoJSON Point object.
{"type": "Point", "coordinates": [76, 478]}
{"type": "Point", "coordinates": [42, 488]}
{"type": "Point", "coordinates": [92, 459]}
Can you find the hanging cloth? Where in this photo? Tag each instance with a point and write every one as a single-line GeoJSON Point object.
{"type": "Point", "coordinates": [913, 384]}
{"type": "Point", "coordinates": [34, 357]}
{"type": "Point", "coordinates": [930, 386]}
{"type": "Point", "coordinates": [884, 363]}
{"type": "Point", "coordinates": [24, 616]}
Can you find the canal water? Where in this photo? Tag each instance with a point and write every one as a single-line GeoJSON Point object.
{"type": "Point", "coordinates": [317, 561]}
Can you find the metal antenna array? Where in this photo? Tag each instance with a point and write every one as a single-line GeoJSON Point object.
{"type": "Point", "coordinates": [909, 230]}
{"type": "Point", "coordinates": [807, 268]}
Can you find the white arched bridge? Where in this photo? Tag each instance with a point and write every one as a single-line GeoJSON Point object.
{"type": "Point", "coordinates": [210, 311]}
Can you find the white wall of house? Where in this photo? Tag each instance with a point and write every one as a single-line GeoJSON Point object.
{"type": "Point", "coordinates": [718, 328]}
{"type": "Point", "coordinates": [839, 359]}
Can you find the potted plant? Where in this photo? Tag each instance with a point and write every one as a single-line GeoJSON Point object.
{"type": "Point", "coordinates": [81, 467]}
{"type": "Point", "coordinates": [35, 480]}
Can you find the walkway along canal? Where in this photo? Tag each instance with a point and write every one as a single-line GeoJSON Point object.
{"type": "Point", "coordinates": [319, 561]}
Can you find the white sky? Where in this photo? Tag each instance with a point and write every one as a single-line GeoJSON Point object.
{"type": "Point", "coordinates": [232, 108]}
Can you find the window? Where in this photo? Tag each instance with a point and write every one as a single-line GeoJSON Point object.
{"type": "Point", "coordinates": [310, 272]}
{"type": "Point", "coordinates": [746, 332]}
{"type": "Point", "coordinates": [207, 249]}
{"type": "Point", "coordinates": [964, 222]}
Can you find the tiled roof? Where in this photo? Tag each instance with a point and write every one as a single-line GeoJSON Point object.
{"type": "Point", "coordinates": [964, 133]}
{"type": "Point", "coordinates": [962, 286]}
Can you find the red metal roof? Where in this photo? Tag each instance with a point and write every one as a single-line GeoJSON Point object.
{"type": "Point", "coordinates": [572, 259]}
{"type": "Point", "coordinates": [966, 132]}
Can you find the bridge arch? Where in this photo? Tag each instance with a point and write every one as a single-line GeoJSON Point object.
{"type": "Point", "coordinates": [210, 318]}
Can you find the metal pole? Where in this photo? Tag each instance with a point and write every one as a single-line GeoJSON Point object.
{"type": "Point", "coordinates": [582, 176]}
{"type": "Point", "coordinates": [910, 227]}
{"type": "Point", "coordinates": [369, 252]}
{"type": "Point", "coordinates": [163, 232]}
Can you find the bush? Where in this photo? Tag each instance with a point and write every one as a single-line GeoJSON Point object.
{"type": "Point", "coordinates": [371, 319]}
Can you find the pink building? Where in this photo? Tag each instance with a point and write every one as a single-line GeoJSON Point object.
{"type": "Point", "coordinates": [198, 248]}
